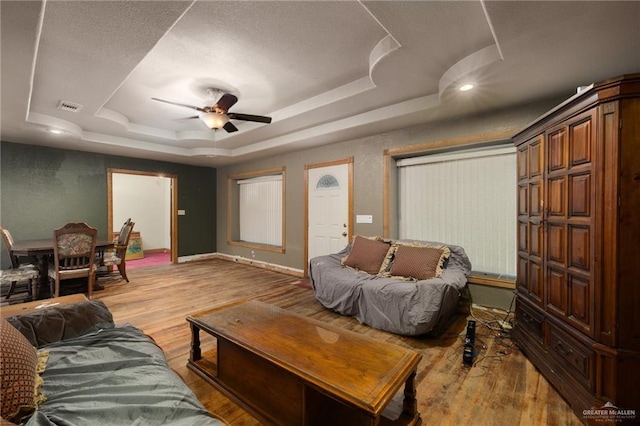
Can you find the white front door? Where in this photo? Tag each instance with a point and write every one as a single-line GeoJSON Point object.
{"type": "Point", "coordinates": [328, 209]}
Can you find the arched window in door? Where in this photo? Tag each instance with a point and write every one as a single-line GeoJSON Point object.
{"type": "Point", "coordinates": [327, 181]}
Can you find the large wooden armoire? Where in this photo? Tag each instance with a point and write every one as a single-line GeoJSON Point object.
{"type": "Point", "coordinates": [578, 284]}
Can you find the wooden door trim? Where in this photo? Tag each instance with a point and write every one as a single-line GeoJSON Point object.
{"type": "Point", "coordinates": [349, 162]}
{"type": "Point", "coordinates": [174, 204]}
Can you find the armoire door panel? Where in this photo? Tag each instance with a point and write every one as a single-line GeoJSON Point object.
{"type": "Point", "coordinates": [579, 302]}
{"type": "Point", "coordinates": [523, 205]}
{"type": "Point", "coordinates": [523, 232]}
{"type": "Point", "coordinates": [535, 198]}
{"type": "Point", "coordinates": [580, 142]}
{"type": "Point", "coordinates": [522, 159]}
{"type": "Point", "coordinates": [535, 239]}
{"type": "Point", "coordinates": [556, 149]}
{"type": "Point", "coordinates": [580, 195]}
{"type": "Point", "coordinates": [556, 290]}
{"type": "Point", "coordinates": [536, 289]}
{"type": "Point", "coordinates": [556, 200]}
{"type": "Point", "coordinates": [535, 159]}
{"type": "Point", "coordinates": [522, 277]}
{"type": "Point", "coordinates": [580, 247]}
{"type": "Point", "coordinates": [556, 243]}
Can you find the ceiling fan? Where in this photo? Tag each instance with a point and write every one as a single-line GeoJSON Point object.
{"type": "Point", "coordinates": [217, 116]}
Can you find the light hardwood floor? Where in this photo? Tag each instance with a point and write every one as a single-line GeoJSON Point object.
{"type": "Point", "coordinates": [503, 388]}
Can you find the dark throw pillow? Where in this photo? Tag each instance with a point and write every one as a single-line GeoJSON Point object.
{"type": "Point", "coordinates": [418, 262]}
{"type": "Point", "coordinates": [366, 254]}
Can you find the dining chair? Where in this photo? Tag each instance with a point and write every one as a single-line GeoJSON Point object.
{"type": "Point", "coordinates": [124, 225]}
{"type": "Point", "coordinates": [117, 256]}
{"type": "Point", "coordinates": [74, 247]}
{"type": "Point", "coordinates": [100, 253]}
{"type": "Point", "coordinates": [20, 269]}
{"type": "Point", "coordinates": [12, 276]}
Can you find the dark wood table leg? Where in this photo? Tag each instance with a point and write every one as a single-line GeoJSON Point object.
{"type": "Point", "coordinates": [196, 353]}
{"type": "Point", "coordinates": [410, 403]}
{"type": "Point", "coordinates": [44, 292]}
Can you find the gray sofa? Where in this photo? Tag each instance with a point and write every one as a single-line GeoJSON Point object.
{"type": "Point", "coordinates": [101, 373]}
{"type": "Point", "coordinates": [400, 306]}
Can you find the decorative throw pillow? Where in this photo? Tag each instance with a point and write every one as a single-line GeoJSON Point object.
{"type": "Point", "coordinates": [19, 379]}
{"type": "Point", "coordinates": [367, 254]}
{"type": "Point", "coordinates": [418, 262]}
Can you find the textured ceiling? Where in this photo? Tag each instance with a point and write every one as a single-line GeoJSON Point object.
{"type": "Point", "coordinates": [325, 71]}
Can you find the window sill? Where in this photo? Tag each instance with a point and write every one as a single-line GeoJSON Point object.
{"type": "Point", "coordinates": [484, 279]}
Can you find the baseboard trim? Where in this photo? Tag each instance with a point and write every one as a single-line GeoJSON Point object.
{"type": "Point", "coordinates": [157, 250]}
{"type": "Point", "coordinates": [260, 264]}
{"type": "Point", "coordinates": [245, 261]}
{"type": "Point", "coordinates": [184, 259]}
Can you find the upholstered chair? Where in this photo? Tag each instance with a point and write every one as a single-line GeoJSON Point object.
{"type": "Point", "coordinates": [13, 276]}
{"type": "Point", "coordinates": [74, 247]}
{"type": "Point", "coordinates": [21, 270]}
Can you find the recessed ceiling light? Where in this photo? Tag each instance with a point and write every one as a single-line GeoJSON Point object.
{"type": "Point", "coordinates": [465, 87]}
{"type": "Point", "coordinates": [55, 131]}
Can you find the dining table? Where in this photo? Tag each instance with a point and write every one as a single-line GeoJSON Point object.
{"type": "Point", "coordinates": [42, 251]}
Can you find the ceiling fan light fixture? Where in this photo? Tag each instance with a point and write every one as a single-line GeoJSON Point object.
{"type": "Point", "coordinates": [214, 120]}
{"type": "Point", "coordinates": [466, 87]}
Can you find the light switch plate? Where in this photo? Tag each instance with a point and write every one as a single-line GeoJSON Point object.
{"type": "Point", "coordinates": [182, 212]}
{"type": "Point", "coordinates": [364, 218]}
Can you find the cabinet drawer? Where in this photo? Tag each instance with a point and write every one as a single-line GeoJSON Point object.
{"type": "Point", "coordinates": [529, 320]}
{"type": "Point", "coordinates": [576, 357]}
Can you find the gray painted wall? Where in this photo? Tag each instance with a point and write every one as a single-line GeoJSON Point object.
{"type": "Point", "coordinates": [43, 188]}
{"type": "Point", "coordinates": [368, 180]}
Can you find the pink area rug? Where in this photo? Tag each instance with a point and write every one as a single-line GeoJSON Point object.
{"type": "Point", "coordinates": [150, 259]}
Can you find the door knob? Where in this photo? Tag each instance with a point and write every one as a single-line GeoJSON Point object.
{"type": "Point", "coordinates": [344, 234]}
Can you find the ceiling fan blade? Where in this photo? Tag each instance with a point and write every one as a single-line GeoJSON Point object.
{"type": "Point", "coordinates": [229, 127]}
{"type": "Point", "coordinates": [179, 104]}
{"type": "Point", "coordinates": [187, 118]}
{"type": "Point", "coordinates": [249, 117]}
{"type": "Point", "coordinates": [226, 101]}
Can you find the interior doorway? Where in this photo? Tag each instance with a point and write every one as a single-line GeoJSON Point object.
{"type": "Point", "coordinates": [328, 207]}
{"type": "Point", "coordinates": [125, 184]}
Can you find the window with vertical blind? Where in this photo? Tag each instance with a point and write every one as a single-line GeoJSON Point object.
{"type": "Point", "coordinates": [261, 210]}
{"type": "Point", "coordinates": [256, 209]}
{"type": "Point", "coordinates": [466, 198]}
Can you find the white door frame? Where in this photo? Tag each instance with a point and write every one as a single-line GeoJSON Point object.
{"type": "Point", "coordinates": [307, 167]}
{"type": "Point", "coordinates": [173, 233]}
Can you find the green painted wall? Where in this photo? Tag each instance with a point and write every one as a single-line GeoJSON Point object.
{"type": "Point", "coordinates": [43, 188]}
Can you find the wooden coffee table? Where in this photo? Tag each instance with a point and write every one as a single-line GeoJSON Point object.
{"type": "Point", "coordinates": [288, 369]}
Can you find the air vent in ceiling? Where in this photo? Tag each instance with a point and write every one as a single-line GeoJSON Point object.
{"type": "Point", "coordinates": [69, 106]}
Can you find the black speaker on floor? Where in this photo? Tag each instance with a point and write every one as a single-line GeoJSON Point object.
{"type": "Point", "coordinates": [469, 350]}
